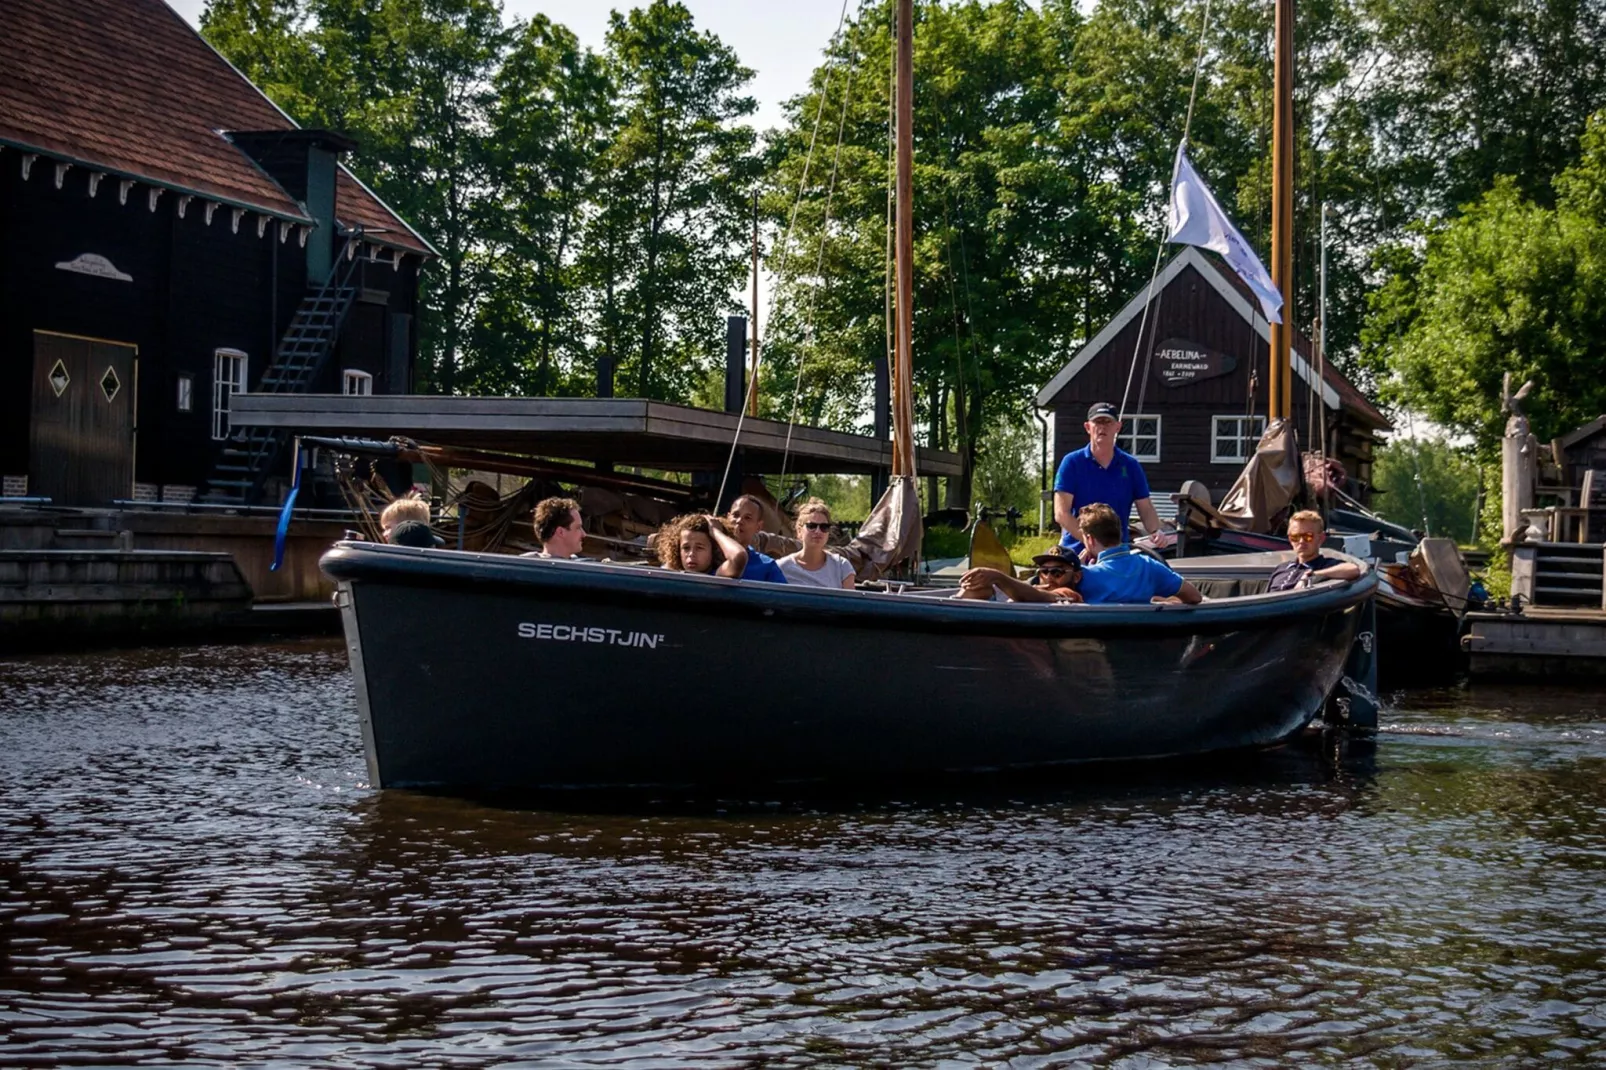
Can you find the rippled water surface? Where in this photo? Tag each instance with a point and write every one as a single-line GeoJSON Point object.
{"type": "Point", "coordinates": [193, 871]}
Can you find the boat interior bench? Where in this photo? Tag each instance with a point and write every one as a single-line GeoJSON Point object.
{"type": "Point", "coordinates": [1230, 586]}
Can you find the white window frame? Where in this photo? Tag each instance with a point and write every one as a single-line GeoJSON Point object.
{"type": "Point", "coordinates": [185, 399]}
{"type": "Point", "coordinates": [356, 383]}
{"type": "Point", "coordinates": [231, 369]}
{"type": "Point", "coordinates": [1246, 440]}
{"type": "Point", "coordinates": [1128, 438]}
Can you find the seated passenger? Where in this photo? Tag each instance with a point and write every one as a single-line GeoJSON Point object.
{"type": "Point", "coordinates": [558, 528]}
{"type": "Point", "coordinates": [698, 542]}
{"type": "Point", "coordinates": [746, 522]}
{"type": "Point", "coordinates": [1121, 576]}
{"type": "Point", "coordinates": [813, 565]}
{"type": "Point", "coordinates": [1306, 532]}
{"type": "Point", "coordinates": [405, 522]}
{"type": "Point", "coordinates": [1059, 573]}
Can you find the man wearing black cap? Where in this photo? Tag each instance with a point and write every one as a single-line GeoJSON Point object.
{"type": "Point", "coordinates": [1103, 472]}
{"type": "Point", "coordinates": [1058, 573]}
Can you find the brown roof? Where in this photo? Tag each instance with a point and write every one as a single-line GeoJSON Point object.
{"type": "Point", "coordinates": [128, 87]}
{"type": "Point", "coordinates": [1349, 396]}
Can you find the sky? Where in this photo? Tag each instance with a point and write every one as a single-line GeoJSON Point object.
{"type": "Point", "coordinates": [781, 40]}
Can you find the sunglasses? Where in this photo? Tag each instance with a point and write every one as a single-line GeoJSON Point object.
{"type": "Point", "coordinates": [813, 525]}
{"type": "Point", "coordinates": [1301, 536]}
{"type": "Point", "coordinates": [1055, 571]}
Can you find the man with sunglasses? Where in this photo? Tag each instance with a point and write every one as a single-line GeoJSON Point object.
{"type": "Point", "coordinates": [1058, 574]}
{"type": "Point", "coordinates": [1306, 532]}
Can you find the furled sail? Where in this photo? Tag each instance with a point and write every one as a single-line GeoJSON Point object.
{"type": "Point", "coordinates": [890, 534]}
{"type": "Point", "coordinates": [1268, 483]}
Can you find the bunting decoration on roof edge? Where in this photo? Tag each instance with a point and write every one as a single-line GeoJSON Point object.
{"type": "Point", "coordinates": [1196, 219]}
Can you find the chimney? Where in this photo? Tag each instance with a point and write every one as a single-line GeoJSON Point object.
{"type": "Point", "coordinates": [303, 162]}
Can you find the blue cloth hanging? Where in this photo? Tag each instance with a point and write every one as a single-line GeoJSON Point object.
{"type": "Point", "coordinates": [284, 514]}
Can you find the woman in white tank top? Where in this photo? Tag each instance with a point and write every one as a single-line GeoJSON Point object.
{"type": "Point", "coordinates": [814, 566]}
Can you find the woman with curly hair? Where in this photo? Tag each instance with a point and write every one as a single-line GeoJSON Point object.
{"type": "Point", "coordinates": [698, 542]}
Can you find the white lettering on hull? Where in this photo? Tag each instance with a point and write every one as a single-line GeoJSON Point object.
{"type": "Point", "coordinates": [575, 633]}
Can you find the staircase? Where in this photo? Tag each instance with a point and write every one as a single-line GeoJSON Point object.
{"type": "Point", "coordinates": [1568, 574]}
{"type": "Point", "coordinates": [250, 453]}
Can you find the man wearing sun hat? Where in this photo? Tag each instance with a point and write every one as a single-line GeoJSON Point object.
{"type": "Point", "coordinates": [1103, 472]}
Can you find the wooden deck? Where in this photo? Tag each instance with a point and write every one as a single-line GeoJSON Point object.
{"type": "Point", "coordinates": [620, 431]}
{"type": "Point", "coordinates": [1537, 642]}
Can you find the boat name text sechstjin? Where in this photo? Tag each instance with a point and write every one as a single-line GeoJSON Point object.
{"type": "Point", "coordinates": [568, 633]}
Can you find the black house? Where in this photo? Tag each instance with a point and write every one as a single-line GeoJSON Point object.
{"type": "Point", "coordinates": [1196, 384]}
{"type": "Point", "coordinates": [169, 238]}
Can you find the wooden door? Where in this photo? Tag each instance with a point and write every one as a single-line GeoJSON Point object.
{"type": "Point", "coordinates": [81, 436]}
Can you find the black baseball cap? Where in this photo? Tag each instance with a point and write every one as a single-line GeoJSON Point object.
{"type": "Point", "coordinates": [1102, 408]}
{"type": "Point", "coordinates": [1057, 555]}
{"type": "Point", "coordinates": [413, 533]}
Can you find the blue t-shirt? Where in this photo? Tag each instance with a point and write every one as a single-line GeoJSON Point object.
{"type": "Point", "coordinates": [1123, 576]}
{"type": "Point", "coordinates": [762, 567]}
{"type": "Point", "coordinates": [1088, 482]}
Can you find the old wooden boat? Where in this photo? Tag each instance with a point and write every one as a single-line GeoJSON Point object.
{"type": "Point", "coordinates": [486, 673]}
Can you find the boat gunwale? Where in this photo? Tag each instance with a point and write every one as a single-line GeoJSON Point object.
{"type": "Point", "coordinates": [359, 562]}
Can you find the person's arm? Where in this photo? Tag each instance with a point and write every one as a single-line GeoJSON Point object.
{"type": "Point", "coordinates": [1151, 523]}
{"type": "Point", "coordinates": [1188, 594]}
{"type": "Point", "coordinates": [1344, 570]}
{"type": "Point", "coordinates": [1065, 514]}
{"type": "Point", "coordinates": [849, 577]}
{"type": "Point", "coordinates": [735, 553]}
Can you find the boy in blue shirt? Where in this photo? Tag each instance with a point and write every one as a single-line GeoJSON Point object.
{"type": "Point", "coordinates": [1103, 472]}
{"type": "Point", "coordinates": [1121, 576]}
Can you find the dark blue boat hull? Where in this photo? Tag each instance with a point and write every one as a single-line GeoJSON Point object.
{"type": "Point", "coordinates": [487, 673]}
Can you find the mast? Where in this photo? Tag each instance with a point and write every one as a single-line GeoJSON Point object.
{"type": "Point", "coordinates": [752, 353]}
{"type": "Point", "coordinates": [1282, 209]}
{"type": "Point", "coordinates": [903, 446]}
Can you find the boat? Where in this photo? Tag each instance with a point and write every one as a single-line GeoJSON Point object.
{"type": "Point", "coordinates": [480, 673]}
{"type": "Point", "coordinates": [489, 673]}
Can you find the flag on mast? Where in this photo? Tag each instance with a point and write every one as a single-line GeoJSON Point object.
{"type": "Point", "coordinates": [1196, 219]}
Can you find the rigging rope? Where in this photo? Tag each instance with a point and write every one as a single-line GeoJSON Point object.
{"type": "Point", "coordinates": [819, 267]}
{"type": "Point", "coordinates": [784, 253]}
{"type": "Point", "coordinates": [1148, 299]}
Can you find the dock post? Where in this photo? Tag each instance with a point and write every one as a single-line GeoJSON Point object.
{"type": "Point", "coordinates": [735, 363]}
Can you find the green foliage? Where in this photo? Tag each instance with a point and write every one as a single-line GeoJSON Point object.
{"type": "Point", "coordinates": [1427, 485]}
{"type": "Point", "coordinates": [1509, 286]}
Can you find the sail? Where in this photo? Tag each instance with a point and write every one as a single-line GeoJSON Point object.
{"type": "Point", "coordinates": [1267, 484]}
{"type": "Point", "coordinates": [889, 535]}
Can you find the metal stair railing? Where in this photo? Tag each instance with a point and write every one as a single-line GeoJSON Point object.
{"type": "Point", "coordinates": [249, 453]}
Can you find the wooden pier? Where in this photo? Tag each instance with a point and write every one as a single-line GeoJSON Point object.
{"type": "Point", "coordinates": [1559, 627]}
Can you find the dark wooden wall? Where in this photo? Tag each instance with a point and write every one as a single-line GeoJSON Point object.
{"type": "Point", "coordinates": [195, 289]}
{"type": "Point", "coordinates": [1190, 308]}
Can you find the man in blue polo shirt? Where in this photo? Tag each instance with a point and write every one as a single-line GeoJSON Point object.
{"type": "Point", "coordinates": [1103, 472]}
{"type": "Point", "coordinates": [1120, 575]}
{"type": "Point", "coordinates": [746, 520]}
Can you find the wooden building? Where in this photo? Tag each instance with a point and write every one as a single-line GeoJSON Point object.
{"type": "Point", "coordinates": [1198, 391]}
{"type": "Point", "coordinates": [168, 238]}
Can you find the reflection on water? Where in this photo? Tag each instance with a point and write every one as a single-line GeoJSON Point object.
{"type": "Point", "coordinates": [193, 871]}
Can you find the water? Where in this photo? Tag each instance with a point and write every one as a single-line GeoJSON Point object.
{"type": "Point", "coordinates": [192, 871]}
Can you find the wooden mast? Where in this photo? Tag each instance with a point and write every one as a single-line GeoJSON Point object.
{"type": "Point", "coordinates": [903, 447]}
{"type": "Point", "coordinates": [1282, 209]}
{"type": "Point", "coordinates": [752, 354]}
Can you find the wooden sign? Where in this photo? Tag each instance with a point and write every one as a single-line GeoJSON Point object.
{"type": "Point", "coordinates": [1178, 362]}
{"type": "Point", "coordinates": [96, 265]}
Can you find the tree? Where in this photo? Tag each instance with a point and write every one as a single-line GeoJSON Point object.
{"type": "Point", "coordinates": [1509, 286]}
{"type": "Point", "coordinates": [550, 124]}
{"type": "Point", "coordinates": [668, 244]}
{"type": "Point", "coordinates": [1427, 485]}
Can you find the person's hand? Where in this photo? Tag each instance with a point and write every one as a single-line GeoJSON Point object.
{"type": "Point", "coordinates": [1088, 555]}
{"type": "Point", "coordinates": [1064, 596]}
{"type": "Point", "coordinates": [1161, 539]}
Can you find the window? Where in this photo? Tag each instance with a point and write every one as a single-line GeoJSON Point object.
{"type": "Point", "coordinates": [1140, 436]}
{"type": "Point", "coordinates": [186, 393]}
{"type": "Point", "coordinates": [356, 382]}
{"type": "Point", "coordinates": [1233, 438]}
{"type": "Point", "coordinates": [228, 379]}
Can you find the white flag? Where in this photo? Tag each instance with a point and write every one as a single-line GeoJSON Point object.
{"type": "Point", "coordinates": [1196, 219]}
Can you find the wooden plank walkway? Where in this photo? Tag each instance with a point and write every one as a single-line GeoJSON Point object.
{"type": "Point", "coordinates": [1537, 642]}
{"type": "Point", "coordinates": [620, 431]}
